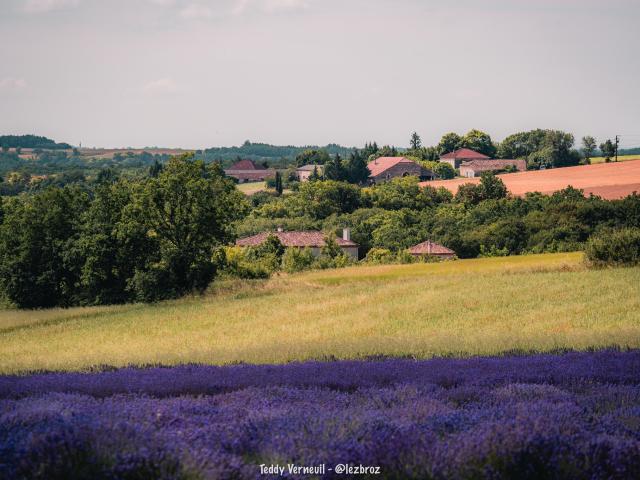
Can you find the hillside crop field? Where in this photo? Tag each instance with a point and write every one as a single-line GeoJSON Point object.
{"type": "Point", "coordinates": [621, 158]}
{"type": "Point", "coordinates": [467, 307]}
{"type": "Point", "coordinates": [608, 180]}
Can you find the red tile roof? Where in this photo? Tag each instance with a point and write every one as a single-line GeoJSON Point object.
{"type": "Point", "coordinates": [430, 248]}
{"type": "Point", "coordinates": [463, 153]}
{"type": "Point", "coordinates": [246, 165]}
{"type": "Point", "coordinates": [379, 165]}
{"type": "Point", "coordinates": [293, 239]}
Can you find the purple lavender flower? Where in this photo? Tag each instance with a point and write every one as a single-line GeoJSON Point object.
{"type": "Point", "coordinates": [569, 416]}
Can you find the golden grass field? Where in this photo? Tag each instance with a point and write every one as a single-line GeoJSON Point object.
{"type": "Point", "coordinates": [252, 187]}
{"type": "Point", "coordinates": [465, 307]}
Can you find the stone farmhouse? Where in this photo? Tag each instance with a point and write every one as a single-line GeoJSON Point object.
{"type": "Point", "coordinates": [384, 169]}
{"type": "Point", "coordinates": [311, 239]}
{"type": "Point", "coordinates": [472, 163]}
{"type": "Point", "coordinates": [474, 168]}
{"type": "Point", "coordinates": [303, 173]}
{"type": "Point", "coordinates": [458, 157]}
{"type": "Point", "coordinates": [431, 249]}
{"type": "Point", "coordinates": [247, 171]}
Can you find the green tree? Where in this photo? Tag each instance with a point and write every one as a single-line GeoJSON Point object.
{"type": "Point", "coordinates": [112, 247]}
{"type": "Point", "coordinates": [522, 144]}
{"type": "Point", "coordinates": [38, 265]}
{"type": "Point", "coordinates": [588, 147]}
{"type": "Point", "coordinates": [331, 249]}
{"type": "Point", "coordinates": [155, 169]}
{"type": "Point", "coordinates": [334, 169]}
{"type": "Point", "coordinates": [608, 150]}
{"type": "Point", "coordinates": [314, 175]}
{"type": "Point", "coordinates": [312, 157]}
{"type": "Point", "coordinates": [369, 150]}
{"type": "Point", "coordinates": [189, 209]}
{"type": "Point", "coordinates": [278, 183]}
{"type": "Point", "coordinates": [356, 167]}
{"type": "Point", "coordinates": [444, 170]}
{"type": "Point", "coordinates": [321, 199]}
{"type": "Point", "coordinates": [479, 141]}
{"type": "Point", "coordinates": [415, 142]}
{"type": "Point", "coordinates": [449, 142]}
{"type": "Point", "coordinates": [491, 187]}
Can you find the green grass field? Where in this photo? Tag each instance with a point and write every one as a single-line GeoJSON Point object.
{"type": "Point", "coordinates": [621, 158]}
{"type": "Point", "coordinates": [466, 307]}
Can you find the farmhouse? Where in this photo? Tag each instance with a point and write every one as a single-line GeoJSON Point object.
{"type": "Point", "coordinates": [311, 239]}
{"type": "Point", "coordinates": [474, 168]}
{"type": "Point", "coordinates": [384, 169]}
{"type": "Point", "coordinates": [303, 173]}
{"type": "Point", "coordinates": [431, 249]}
{"type": "Point", "coordinates": [458, 157]}
{"type": "Point", "coordinates": [247, 171]}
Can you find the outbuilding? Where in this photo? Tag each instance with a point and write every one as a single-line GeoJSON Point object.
{"type": "Point", "coordinates": [432, 249]}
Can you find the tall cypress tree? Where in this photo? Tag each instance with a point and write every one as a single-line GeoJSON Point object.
{"type": "Point", "coordinates": [278, 183]}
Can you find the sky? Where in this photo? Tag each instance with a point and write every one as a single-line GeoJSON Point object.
{"type": "Point", "coordinates": [202, 73]}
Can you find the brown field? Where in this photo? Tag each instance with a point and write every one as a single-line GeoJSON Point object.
{"type": "Point", "coordinates": [106, 153]}
{"type": "Point", "coordinates": [607, 180]}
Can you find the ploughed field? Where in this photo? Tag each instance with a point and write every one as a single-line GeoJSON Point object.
{"type": "Point", "coordinates": [607, 180]}
{"type": "Point", "coordinates": [570, 416]}
{"type": "Point", "coordinates": [534, 303]}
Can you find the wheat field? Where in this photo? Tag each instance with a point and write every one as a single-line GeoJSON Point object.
{"type": "Point", "coordinates": [466, 307]}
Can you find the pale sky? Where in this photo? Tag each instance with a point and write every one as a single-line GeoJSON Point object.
{"type": "Point", "coordinates": [198, 73]}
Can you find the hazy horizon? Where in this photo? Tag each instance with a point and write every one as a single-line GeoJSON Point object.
{"type": "Point", "coordinates": [202, 73]}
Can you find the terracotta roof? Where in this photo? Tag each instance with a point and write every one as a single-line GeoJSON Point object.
{"type": "Point", "coordinates": [494, 164]}
{"type": "Point", "coordinates": [430, 248]}
{"type": "Point", "coordinates": [246, 165]}
{"type": "Point", "coordinates": [463, 153]}
{"type": "Point", "coordinates": [293, 239]}
{"type": "Point", "coordinates": [310, 167]}
{"type": "Point", "coordinates": [379, 165]}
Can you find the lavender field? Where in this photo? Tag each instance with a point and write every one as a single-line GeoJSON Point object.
{"type": "Point", "coordinates": [573, 416]}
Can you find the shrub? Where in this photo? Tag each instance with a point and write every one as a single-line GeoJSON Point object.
{"type": "Point", "coordinates": [379, 256]}
{"type": "Point", "coordinates": [238, 263]}
{"type": "Point", "coordinates": [297, 260]}
{"type": "Point", "coordinates": [614, 247]}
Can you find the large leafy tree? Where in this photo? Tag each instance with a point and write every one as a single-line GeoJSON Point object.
{"type": "Point", "coordinates": [321, 199]}
{"type": "Point", "coordinates": [38, 265]}
{"type": "Point", "coordinates": [522, 144]}
{"type": "Point", "coordinates": [112, 246]}
{"type": "Point", "coordinates": [449, 142]}
{"type": "Point", "coordinates": [479, 141]}
{"type": "Point", "coordinates": [608, 149]}
{"type": "Point", "coordinates": [188, 210]}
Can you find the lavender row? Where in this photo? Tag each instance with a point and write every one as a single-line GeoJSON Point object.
{"type": "Point", "coordinates": [612, 367]}
{"type": "Point", "coordinates": [569, 416]}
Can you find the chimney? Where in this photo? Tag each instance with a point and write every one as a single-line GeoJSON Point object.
{"type": "Point", "coordinates": [280, 229]}
{"type": "Point", "coordinates": [346, 234]}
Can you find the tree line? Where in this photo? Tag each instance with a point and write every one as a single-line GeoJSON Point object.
{"type": "Point", "coordinates": [120, 241]}
{"type": "Point", "coordinates": [166, 234]}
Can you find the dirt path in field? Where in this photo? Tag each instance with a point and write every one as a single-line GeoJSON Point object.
{"type": "Point", "coordinates": [607, 180]}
